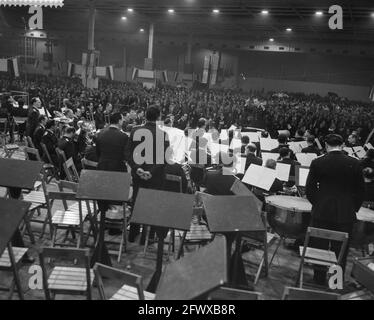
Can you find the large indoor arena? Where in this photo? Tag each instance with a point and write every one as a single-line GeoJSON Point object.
{"type": "Point", "coordinates": [187, 150]}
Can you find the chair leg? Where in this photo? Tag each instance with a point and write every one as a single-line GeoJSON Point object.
{"type": "Point", "coordinates": [258, 273]}
{"type": "Point", "coordinates": [147, 230]}
{"type": "Point", "coordinates": [180, 250]}
{"type": "Point", "coordinates": [275, 251]}
{"type": "Point", "coordinates": [28, 229]}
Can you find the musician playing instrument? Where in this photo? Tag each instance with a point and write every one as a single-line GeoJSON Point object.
{"type": "Point", "coordinates": [335, 187]}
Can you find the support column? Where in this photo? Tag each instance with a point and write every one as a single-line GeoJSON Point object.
{"type": "Point", "coordinates": [148, 62]}
{"type": "Point", "coordinates": [91, 26]}
{"type": "Point", "coordinates": [188, 68]}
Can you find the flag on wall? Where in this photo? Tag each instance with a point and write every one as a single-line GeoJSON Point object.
{"type": "Point", "coordinates": [3, 65]}
{"type": "Point", "coordinates": [71, 69]}
{"type": "Point", "coordinates": [176, 76]}
{"type": "Point", "coordinates": [165, 76]}
{"type": "Point", "coordinates": [13, 67]}
{"type": "Point", "coordinates": [371, 94]}
{"type": "Point", "coordinates": [134, 73]}
{"type": "Point", "coordinates": [110, 72]}
{"type": "Point", "coordinates": [36, 63]}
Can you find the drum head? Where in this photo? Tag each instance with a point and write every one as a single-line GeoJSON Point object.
{"type": "Point", "coordinates": [290, 203]}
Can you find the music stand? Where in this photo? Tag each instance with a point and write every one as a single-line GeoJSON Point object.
{"type": "Point", "coordinates": [11, 214]}
{"type": "Point", "coordinates": [231, 216]}
{"type": "Point", "coordinates": [165, 210]}
{"type": "Point", "coordinates": [195, 274]}
{"type": "Point", "coordinates": [19, 173]}
{"type": "Point", "coordinates": [108, 186]}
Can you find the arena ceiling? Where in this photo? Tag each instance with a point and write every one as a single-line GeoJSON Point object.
{"type": "Point", "coordinates": [236, 19]}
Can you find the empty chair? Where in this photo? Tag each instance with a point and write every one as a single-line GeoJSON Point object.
{"type": "Point", "coordinates": [75, 278]}
{"type": "Point", "coordinates": [129, 285]}
{"type": "Point", "coordinates": [71, 171]}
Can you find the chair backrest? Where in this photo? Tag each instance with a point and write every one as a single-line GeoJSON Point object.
{"type": "Point", "coordinates": [29, 142]}
{"type": "Point", "coordinates": [46, 152]}
{"type": "Point", "coordinates": [61, 155]}
{"type": "Point", "coordinates": [88, 164]}
{"type": "Point", "coordinates": [31, 153]}
{"type": "Point", "coordinates": [121, 277]}
{"type": "Point", "coordinates": [76, 256]}
{"type": "Point", "coordinates": [304, 294]}
{"type": "Point", "coordinates": [327, 235]}
{"type": "Point", "coordinates": [224, 293]}
{"type": "Point", "coordinates": [71, 171]}
{"type": "Point", "coordinates": [176, 179]}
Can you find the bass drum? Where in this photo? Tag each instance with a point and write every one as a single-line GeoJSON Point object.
{"type": "Point", "coordinates": [288, 216]}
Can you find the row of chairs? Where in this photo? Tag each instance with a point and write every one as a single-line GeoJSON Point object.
{"type": "Point", "coordinates": [67, 272]}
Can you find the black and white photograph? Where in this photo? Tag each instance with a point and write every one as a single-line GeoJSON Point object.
{"type": "Point", "coordinates": [189, 153]}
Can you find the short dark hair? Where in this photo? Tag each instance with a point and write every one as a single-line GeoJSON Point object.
{"type": "Point", "coordinates": [310, 139]}
{"type": "Point", "coordinates": [251, 147]}
{"type": "Point", "coordinates": [284, 152]}
{"type": "Point", "coordinates": [282, 139]}
{"type": "Point", "coordinates": [334, 140]}
{"type": "Point", "coordinates": [201, 122]}
{"type": "Point", "coordinates": [245, 139]}
{"type": "Point", "coordinates": [167, 121]}
{"type": "Point", "coordinates": [50, 124]}
{"type": "Point", "coordinates": [33, 100]}
{"type": "Point", "coordinates": [368, 173]}
{"type": "Point", "coordinates": [69, 130]}
{"type": "Point", "coordinates": [41, 118]}
{"type": "Point", "coordinates": [300, 132]}
{"type": "Point", "coordinates": [115, 118]}
{"type": "Point", "coordinates": [152, 113]}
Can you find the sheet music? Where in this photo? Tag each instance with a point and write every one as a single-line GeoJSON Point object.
{"type": "Point", "coordinates": [305, 159]}
{"type": "Point", "coordinates": [283, 171]}
{"type": "Point", "coordinates": [224, 134]}
{"type": "Point", "coordinates": [268, 144]}
{"type": "Point", "coordinates": [253, 136]}
{"type": "Point", "coordinates": [360, 152]}
{"type": "Point", "coordinates": [303, 175]}
{"type": "Point", "coordinates": [369, 146]}
{"type": "Point", "coordinates": [295, 146]}
{"type": "Point", "coordinates": [349, 151]}
{"type": "Point", "coordinates": [215, 149]}
{"type": "Point", "coordinates": [236, 144]}
{"type": "Point", "coordinates": [268, 155]}
{"type": "Point", "coordinates": [319, 145]}
{"type": "Point", "coordinates": [260, 177]}
{"type": "Point", "coordinates": [239, 189]}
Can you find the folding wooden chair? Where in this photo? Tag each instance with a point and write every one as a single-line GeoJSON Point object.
{"type": "Point", "coordinates": [46, 153]}
{"type": "Point", "coordinates": [9, 148]}
{"type": "Point", "coordinates": [304, 294]}
{"type": "Point", "coordinates": [74, 280]}
{"type": "Point", "coordinates": [48, 168]}
{"type": "Point", "coordinates": [130, 285]}
{"type": "Point", "coordinates": [260, 241]}
{"type": "Point", "coordinates": [71, 171]}
{"type": "Point", "coordinates": [88, 164]}
{"type": "Point", "coordinates": [29, 142]}
{"type": "Point", "coordinates": [40, 200]}
{"type": "Point", "coordinates": [61, 158]}
{"type": "Point", "coordinates": [324, 258]}
{"type": "Point", "coordinates": [7, 265]}
{"type": "Point", "coordinates": [224, 293]}
{"type": "Point", "coordinates": [72, 217]}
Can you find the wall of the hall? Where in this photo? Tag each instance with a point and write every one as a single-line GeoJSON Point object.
{"type": "Point", "coordinates": [350, 75]}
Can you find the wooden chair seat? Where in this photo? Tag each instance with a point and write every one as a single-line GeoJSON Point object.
{"type": "Point", "coordinates": [68, 218]}
{"type": "Point", "coordinates": [75, 208]}
{"type": "Point", "coordinates": [18, 254]}
{"type": "Point", "coordinates": [69, 278]}
{"type": "Point", "coordinates": [198, 232]}
{"type": "Point", "coordinates": [131, 293]}
{"type": "Point", "coordinates": [35, 197]}
{"type": "Point", "coordinates": [35, 205]}
{"type": "Point", "coordinates": [11, 147]}
{"type": "Point", "coordinates": [319, 256]}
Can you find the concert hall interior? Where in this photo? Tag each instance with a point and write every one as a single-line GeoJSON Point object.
{"type": "Point", "coordinates": [187, 149]}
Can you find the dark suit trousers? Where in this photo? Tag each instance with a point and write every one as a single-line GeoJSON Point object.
{"type": "Point", "coordinates": [319, 271]}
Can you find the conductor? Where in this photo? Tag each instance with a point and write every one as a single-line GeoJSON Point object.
{"type": "Point", "coordinates": [335, 187]}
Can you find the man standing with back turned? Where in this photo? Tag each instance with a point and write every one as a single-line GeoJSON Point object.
{"type": "Point", "coordinates": [335, 187]}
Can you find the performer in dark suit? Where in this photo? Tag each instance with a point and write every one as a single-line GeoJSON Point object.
{"type": "Point", "coordinates": [285, 157]}
{"type": "Point", "coordinates": [33, 116]}
{"type": "Point", "coordinates": [38, 134]}
{"type": "Point", "coordinates": [111, 146]}
{"type": "Point", "coordinates": [251, 156]}
{"type": "Point", "coordinates": [67, 145]}
{"type": "Point", "coordinates": [311, 148]}
{"type": "Point", "coordinates": [335, 187]}
{"type": "Point", "coordinates": [282, 140]}
{"type": "Point", "coordinates": [50, 140]}
{"type": "Point", "coordinates": [218, 182]}
{"type": "Point", "coordinates": [147, 163]}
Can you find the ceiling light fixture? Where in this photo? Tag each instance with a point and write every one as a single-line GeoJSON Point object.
{"type": "Point", "coordinates": [288, 29]}
{"type": "Point", "coordinates": [215, 11]}
{"type": "Point", "coordinates": [171, 10]}
{"type": "Point", "coordinates": [265, 12]}
{"type": "Point", "coordinates": [319, 13]}
{"type": "Point", "coordinates": [130, 10]}
{"type": "Point", "coordinates": [124, 18]}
